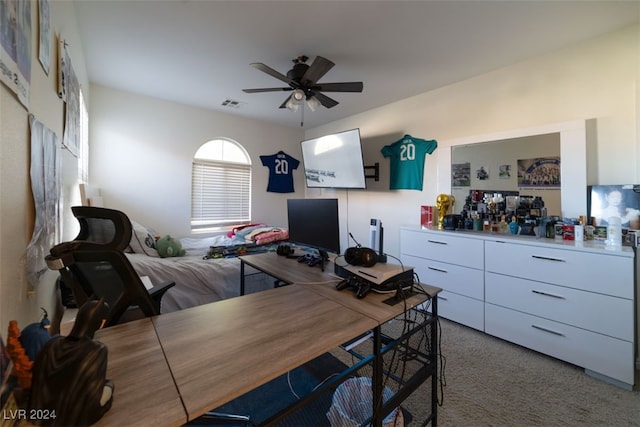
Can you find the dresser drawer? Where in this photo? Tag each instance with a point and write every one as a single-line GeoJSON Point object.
{"type": "Point", "coordinates": [455, 278]}
{"type": "Point", "coordinates": [566, 305]}
{"type": "Point", "coordinates": [461, 309]}
{"type": "Point", "coordinates": [443, 247]}
{"type": "Point", "coordinates": [604, 272]}
{"type": "Point", "coordinates": [599, 353]}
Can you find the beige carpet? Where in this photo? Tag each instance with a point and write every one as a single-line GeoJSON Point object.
{"type": "Point", "coordinates": [490, 382]}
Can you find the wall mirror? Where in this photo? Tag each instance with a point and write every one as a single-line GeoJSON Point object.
{"type": "Point", "coordinates": [528, 166]}
{"type": "Point", "coordinates": [570, 200]}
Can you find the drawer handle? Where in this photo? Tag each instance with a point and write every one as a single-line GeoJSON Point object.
{"type": "Point", "coordinates": [437, 269]}
{"type": "Point", "coordinates": [560, 334]}
{"type": "Point", "coordinates": [437, 242]}
{"type": "Point", "coordinates": [546, 258]}
{"type": "Point", "coordinates": [547, 294]}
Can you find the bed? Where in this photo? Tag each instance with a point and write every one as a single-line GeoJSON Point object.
{"type": "Point", "coordinates": [210, 269]}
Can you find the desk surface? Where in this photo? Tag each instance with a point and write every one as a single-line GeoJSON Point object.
{"type": "Point", "coordinates": [216, 352]}
{"type": "Point", "coordinates": [323, 283]}
{"type": "Point", "coordinates": [290, 270]}
{"type": "Point", "coordinates": [220, 351]}
{"type": "Point", "coordinates": [372, 305]}
{"type": "Point", "coordinates": [144, 391]}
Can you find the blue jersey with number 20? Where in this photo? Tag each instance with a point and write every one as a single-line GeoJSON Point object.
{"type": "Point", "coordinates": [281, 167]}
{"type": "Point", "coordinates": [407, 161]}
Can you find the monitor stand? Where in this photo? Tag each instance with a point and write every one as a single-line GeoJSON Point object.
{"type": "Point", "coordinates": [323, 258]}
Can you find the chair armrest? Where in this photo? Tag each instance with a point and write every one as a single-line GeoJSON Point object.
{"type": "Point", "coordinates": [157, 291]}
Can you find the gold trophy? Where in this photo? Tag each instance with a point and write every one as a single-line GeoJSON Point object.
{"type": "Point", "coordinates": [443, 201]}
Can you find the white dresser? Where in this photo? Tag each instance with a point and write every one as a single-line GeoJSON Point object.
{"type": "Point", "coordinates": [571, 301]}
{"type": "Point", "coordinates": [455, 264]}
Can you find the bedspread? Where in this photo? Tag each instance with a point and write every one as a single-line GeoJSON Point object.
{"type": "Point", "coordinates": [198, 281]}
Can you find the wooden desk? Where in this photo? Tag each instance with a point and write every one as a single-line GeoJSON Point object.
{"type": "Point", "coordinates": [372, 306]}
{"type": "Point", "coordinates": [173, 368]}
{"type": "Point", "coordinates": [219, 351]}
{"type": "Point", "coordinates": [289, 270]}
{"type": "Point", "coordinates": [144, 391]}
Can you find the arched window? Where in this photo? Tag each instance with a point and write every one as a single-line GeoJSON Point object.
{"type": "Point", "coordinates": [220, 186]}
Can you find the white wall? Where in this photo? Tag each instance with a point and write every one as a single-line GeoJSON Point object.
{"type": "Point", "coordinates": [16, 202]}
{"type": "Point", "coordinates": [141, 151]}
{"type": "Point", "coordinates": [593, 80]}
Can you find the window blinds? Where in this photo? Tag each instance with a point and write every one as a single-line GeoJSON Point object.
{"type": "Point", "coordinates": [220, 194]}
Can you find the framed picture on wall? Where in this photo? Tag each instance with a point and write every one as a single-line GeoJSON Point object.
{"type": "Point", "coordinates": [482, 173]}
{"type": "Point", "coordinates": [460, 174]}
{"type": "Point", "coordinates": [504, 172]}
{"type": "Point", "coordinates": [541, 172]}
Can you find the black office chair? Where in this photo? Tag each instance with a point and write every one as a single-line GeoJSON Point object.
{"type": "Point", "coordinates": [94, 266]}
{"type": "Point", "coordinates": [108, 227]}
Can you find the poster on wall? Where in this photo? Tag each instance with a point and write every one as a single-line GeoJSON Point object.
{"type": "Point", "coordinates": [45, 174]}
{"type": "Point", "coordinates": [62, 85]}
{"type": "Point", "coordinates": [15, 47]}
{"type": "Point", "coordinates": [541, 172]}
{"type": "Point", "coordinates": [44, 30]}
{"type": "Point", "coordinates": [69, 92]}
{"type": "Point", "coordinates": [460, 175]}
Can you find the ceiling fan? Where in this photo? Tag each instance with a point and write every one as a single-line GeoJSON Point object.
{"type": "Point", "coordinates": [303, 81]}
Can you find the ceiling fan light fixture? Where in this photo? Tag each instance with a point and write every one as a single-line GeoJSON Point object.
{"type": "Point", "coordinates": [297, 95]}
{"type": "Point", "coordinates": [292, 104]}
{"type": "Point", "coordinates": [295, 100]}
{"type": "Point", "coordinates": [313, 103]}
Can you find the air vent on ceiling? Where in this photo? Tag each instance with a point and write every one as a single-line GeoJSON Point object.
{"type": "Point", "coordinates": [232, 103]}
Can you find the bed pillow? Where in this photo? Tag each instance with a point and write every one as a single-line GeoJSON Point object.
{"type": "Point", "coordinates": [143, 240]}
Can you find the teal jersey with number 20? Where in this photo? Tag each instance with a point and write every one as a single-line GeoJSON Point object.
{"type": "Point", "coordinates": [407, 161]}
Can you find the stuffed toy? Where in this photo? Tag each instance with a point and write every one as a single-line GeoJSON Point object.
{"type": "Point", "coordinates": [167, 246]}
{"type": "Point", "coordinates": [23, 347]}
{"type": "Point", "coordinates": [35, 335]}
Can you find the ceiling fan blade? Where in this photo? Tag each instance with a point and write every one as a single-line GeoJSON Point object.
{"type": "Point", "coordinates": [273, 73]}
{"type": "Point", "coordinates": [284, 104]}
{"type": "Point", "coordinates": [325, 100]}
{"type": "Point", "coordinates": [340, 87]}
{"type": "Point", "coordinates": [318, 68]}
{"type": "Point", "coordinates": [268, 89]}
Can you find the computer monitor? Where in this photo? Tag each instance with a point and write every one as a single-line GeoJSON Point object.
{"type": "Point", "coordinates": [314, 223]}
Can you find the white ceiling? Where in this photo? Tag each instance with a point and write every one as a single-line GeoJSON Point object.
{"type": "Point", "coordinates": [198, 52]}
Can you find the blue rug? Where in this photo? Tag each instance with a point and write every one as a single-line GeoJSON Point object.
{"type": "Point", "coordinates": [266, 400]}
{"type": "Point", "coordinates": [278, 394]}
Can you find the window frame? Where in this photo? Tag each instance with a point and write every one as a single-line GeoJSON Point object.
{"type": "Point", "coordinates": [214, 184]}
